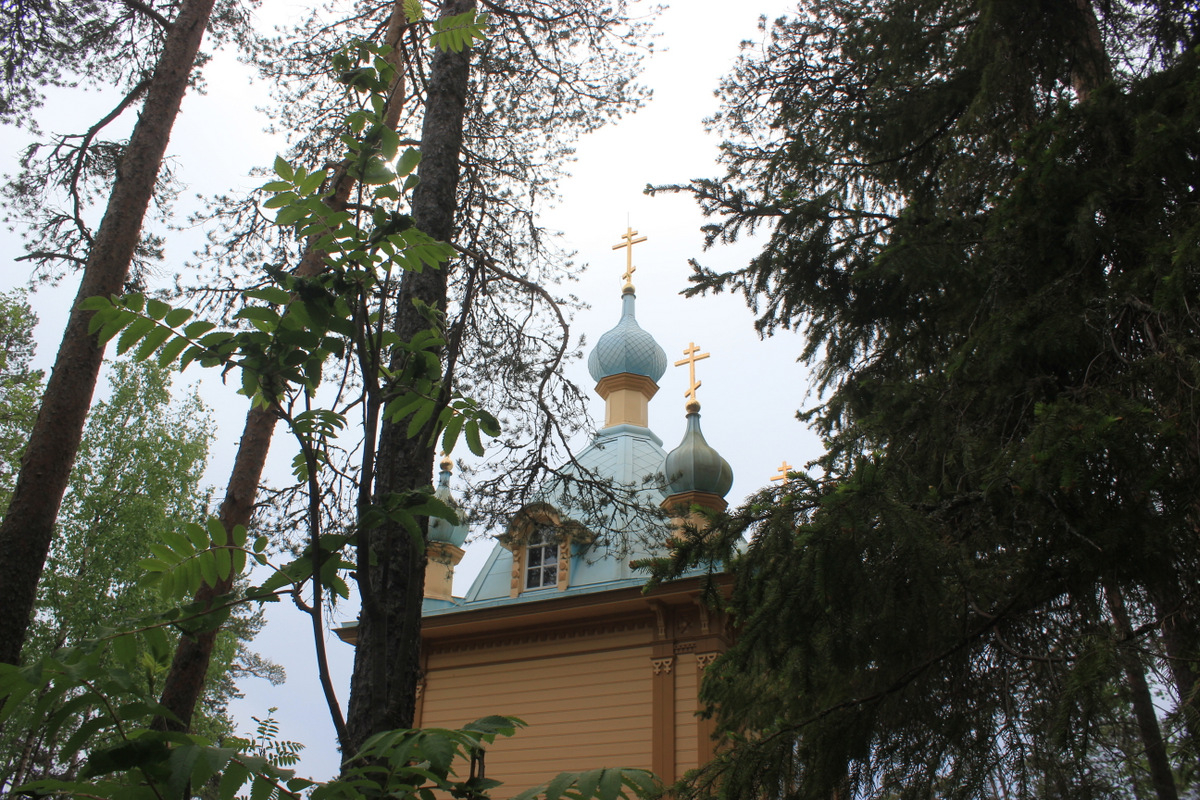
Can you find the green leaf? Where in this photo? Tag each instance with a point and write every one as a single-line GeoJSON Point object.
{"type": "Point", "coordinates": [198, 328]}
{"type": "Point", "coordinates": [208, 567]}
{"type": "Point", "coordinates": [168, 354]}
{"type": "Point", "coordinates": [152, 342]}
{"type": "Point", "coordinates": [197, 535]}
{"type": "Point", "coordinates": [450, 435]}
{"type": "Point", "coordinates": [312, 182]}
{"type": "Point", "coordinates": [236, 775]}
{"type": "Point", "coordinates": [134, 301]}
{"type": "Point", "coordinates": [473, 442]}
{"type": "Point", "coordinates": [270, 294]}
{"type": "Point", "coordinates": [224, 563]}
{"type": "Point", "coordinates": [290, 215]}
{"type": "Point", "coordinates": [96, 303]}
{"type": "Point", "coordinates": [217, 532]}
{"type": "Point", "coordinates": [124, 649]}
{"type": "Point", "coordinates": [262, 788]}
{"type": "Point", "coordinates": [238, 558]}
{"type": "Point", "coordinates": [283, 169]}
{"type": "Point", "coordinates": [376, 173]}
{"type": "Point", "coordinates": [408, 162]}
{"type": "Point", "coordinates": [261, 313]}
{"type": "Point", "coordinates": [156, 309]}
{"type": "Point", "coordinates": [134, 333]}
{"type": "Point", "coordinates": [423, 415]}
{"type": "Point", "coordinates": [180, 544]}
{"type": "Point", "coordinates": [610, 784]}
{"type": "Point", "coordinates": [177, 317]}
{"type": "Point", "coordinates": [181, 762]}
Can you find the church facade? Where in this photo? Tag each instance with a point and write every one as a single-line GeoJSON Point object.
{"type": "Point", "coordinates": [556, 629]}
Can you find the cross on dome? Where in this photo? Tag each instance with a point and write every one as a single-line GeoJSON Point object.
{"type": "Point", "coordinates": [628, 244]}
{"type": "Point", "coordinates": [784, 469]}
{"type": "Point", "coordinates": [693, 355]}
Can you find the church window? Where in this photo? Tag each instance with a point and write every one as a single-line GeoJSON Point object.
{"type": "Point", "coordinates": [541, 559]}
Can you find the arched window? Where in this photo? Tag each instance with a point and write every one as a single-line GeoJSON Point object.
{"type": "Point", "coordinates": [541, 558]}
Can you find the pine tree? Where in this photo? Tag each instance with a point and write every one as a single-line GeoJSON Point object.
{"type": "Point", "coordinates": [984, 217]}
{"type": "Point", "coordinates": [28, 526]}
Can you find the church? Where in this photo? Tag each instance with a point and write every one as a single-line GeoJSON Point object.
{"type": "Point", "coordinates": [556, 629]}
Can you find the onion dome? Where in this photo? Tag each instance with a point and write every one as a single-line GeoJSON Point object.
{"type": "Point", "coordinates": [627, 348]}
{"type": "Point", "coordinates": [439, 529]}
{"type": "Point", "coordinates": [694, 466]}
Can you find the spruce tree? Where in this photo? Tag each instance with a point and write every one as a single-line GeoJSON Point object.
{"type": "Point", "coordinates": [984, 217]}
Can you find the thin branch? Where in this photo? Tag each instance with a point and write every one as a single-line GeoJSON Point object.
{"type": "Point", "coordinates": [39, 255]}
{"type": "Point", "coordinates": [137, 5]}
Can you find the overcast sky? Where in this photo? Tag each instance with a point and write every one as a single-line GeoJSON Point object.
{"type": "Point", "coordinates": [751, 388]}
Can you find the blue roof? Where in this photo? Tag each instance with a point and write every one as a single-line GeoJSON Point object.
{"type": "Point", "coordinates": [627, 348]}
{"type": "Point", "coordinates": [622, 462]}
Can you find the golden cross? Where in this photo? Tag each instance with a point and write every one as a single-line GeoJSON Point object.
{"type": "Point", "coordinates": [628, 245]}
{"type": "Point", "coordinates": [692, 357]}
{"type": "Point", "coordinates": [784, 468]}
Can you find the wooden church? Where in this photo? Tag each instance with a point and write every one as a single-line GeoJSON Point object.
{"type": "Point", "coordinates": [556, 629]}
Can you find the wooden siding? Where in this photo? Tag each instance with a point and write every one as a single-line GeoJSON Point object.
{"type": "Point", "coordinates": [685, 713]}
{"type": "Point", "coordinates": [586, 701]}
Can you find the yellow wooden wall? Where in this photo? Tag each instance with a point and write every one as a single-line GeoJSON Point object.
{"type": "Point", "coordinates": [586, 699]}
{"type": "Point", "coordinates": [686, 675]}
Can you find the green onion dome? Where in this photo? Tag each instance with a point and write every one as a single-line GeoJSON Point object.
{"type": "Point", "coordinates": [439, 529]}
{"type": "Point", "coordinates": [694, 466]}
{"type": "Point", "coordinates": [627, 348]}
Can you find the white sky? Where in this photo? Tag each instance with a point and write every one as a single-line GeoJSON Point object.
{"type": "Point", "coordinates": [751, 388]}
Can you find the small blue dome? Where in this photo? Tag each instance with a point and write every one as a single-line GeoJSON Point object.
{"type": "Point", "coordinates": [694, 466]}
{"type": "Point", "coordinates": [439, 529]}
{"type": "Point", "coordinates": [627, 348]}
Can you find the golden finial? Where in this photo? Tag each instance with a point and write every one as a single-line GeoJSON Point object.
{"type": "Point", "coordinates": [693, 355]}
{"type": "Point", "coordinates": [446, 463]}
{"type": "Point", "coordinates": [784, 469]}
{"type": "Point", "coordinates": [628, 244]}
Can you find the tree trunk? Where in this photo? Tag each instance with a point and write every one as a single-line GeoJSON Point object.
{"type": "Point", "coordinates": [1140, 698]}
{"type": "Point", "coordinates": [28, 526]}
{"type": "Point", "coordinates": [391, 567]}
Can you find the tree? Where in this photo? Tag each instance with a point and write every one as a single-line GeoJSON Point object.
{"type": "Point", "coordinates": [984, 217]}
{"type": "Point", "coordinates": [28, 526]}
{"type": "Point", "coordinates": [468, 176]}
{"type": "Point", "coordinates": [138, 473]}
{"type": "Point", "coordinates": [20, 386]}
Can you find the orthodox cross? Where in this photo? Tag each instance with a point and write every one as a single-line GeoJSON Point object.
{"type": "Point", "coordinates": [693, 355]}
{"type": "Point", "coordinates": [628, 245]}
{"type": "Point", "coordinates": [784, 468]}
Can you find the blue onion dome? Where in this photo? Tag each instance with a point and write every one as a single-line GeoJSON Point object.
{"type": "Point", "coordinates": [439, 529]}
{"type": "Point", "coordinates": [694, 466]}
{"type": "Point", "coordinates": [627, 348]}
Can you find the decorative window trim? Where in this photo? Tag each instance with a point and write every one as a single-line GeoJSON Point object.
{"type": "Point", "coordinates": [524, 524]}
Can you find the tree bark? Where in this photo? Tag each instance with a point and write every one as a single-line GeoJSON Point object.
{"type": "Point", "coordinates": [28, 526]}
{"type": "Point", "coordinates": [391, 566]}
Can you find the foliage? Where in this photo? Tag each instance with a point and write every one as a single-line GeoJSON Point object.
{"type": "Point", "coordinates": [267, 744]}
{"type": "Point", "coordinates": [538, 81]}
{"type": "Point", "coordinates": [20, 386]}
{"type": "Point", "coordinates": [84, 45]}
{"type": "Point", "coordinates": [137, 477]}
{"type": "Point", "coordinates": [983, 215]}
